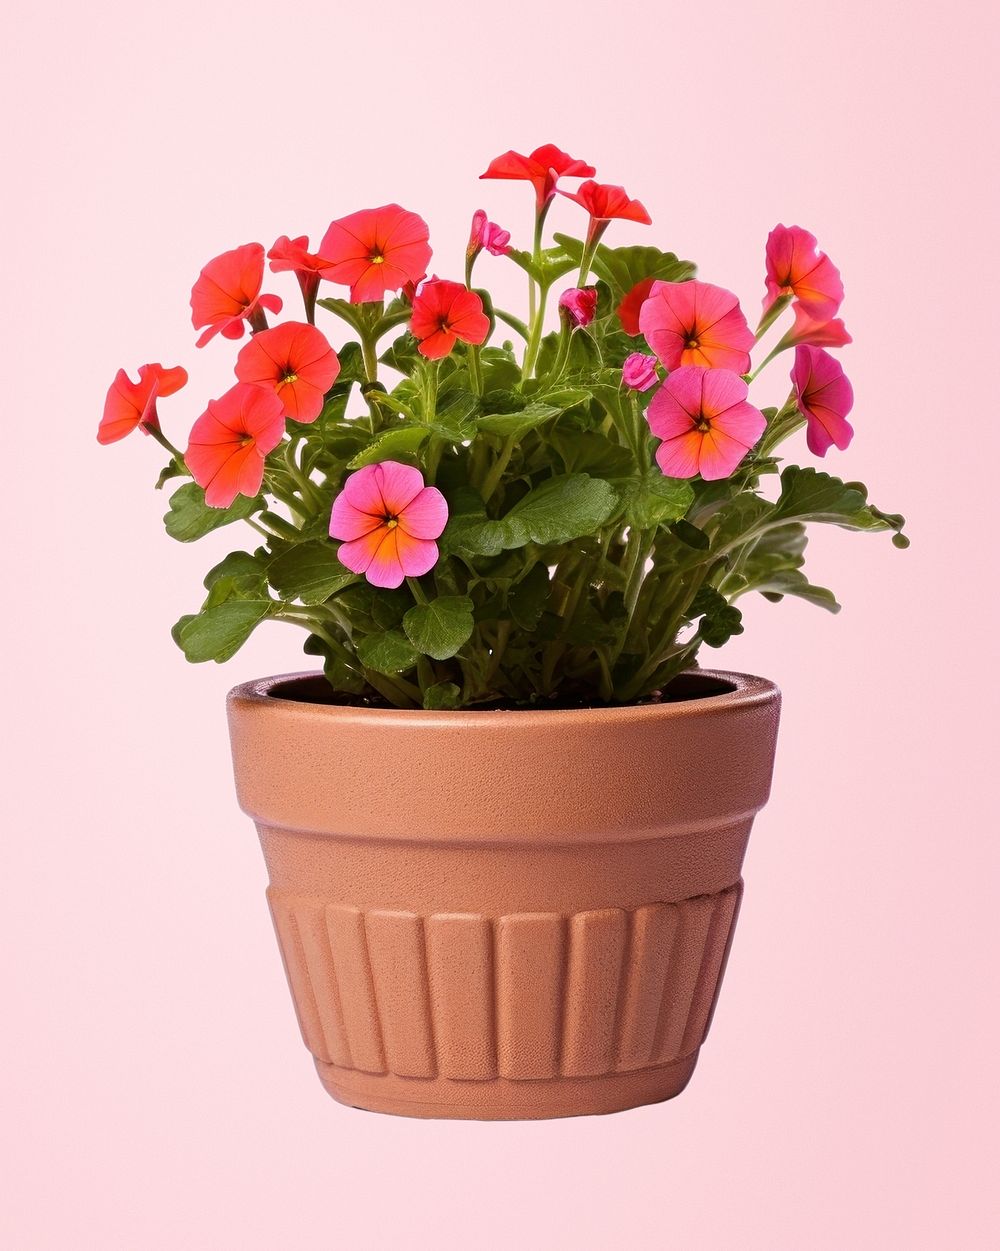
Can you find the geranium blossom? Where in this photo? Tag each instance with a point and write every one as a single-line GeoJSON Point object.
{"type": "Point", "coordinates": [696, 323]}
{"type": "Point", "coordinates": [375, 251]}
{"type": "Point", "coordinates": [488, 235]}
{"type": "Point", "coordinates": [388, 521]}
{"type": "Point", "coordinates": [628, 310]}
{"type": "Point", "coordinates": [639, 371]}
{"type": "Point", "coordinates": [294, 255]}
{"type": "Point", "coordinates": [230, 440]}
{"type": "Point", "coordinates": [296, 362]}
{"type": "Point", "coordinates": [227, 294]}
{"type": "Point", "coordinates": [579, 304]}
{"type": "Point", "coordinates": [705, 422]}
{"type": "Point", "coordinates": [825, 397]}
{"type": "Point", "coordinates": [542, 168]}
{"type": "Point", "coordinates": [797, 268]}
{"type": "Point", "coordinates": [130, 404]}
{"type": "Point", "coordinates": [806, 329]}
{"type": "Point", "coordinates": [606, 202]}
{"type": "Point", "coordinates": [444, 312]}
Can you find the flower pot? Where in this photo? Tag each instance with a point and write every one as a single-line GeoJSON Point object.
{"type": "Point", "coordinates": [505, 914]}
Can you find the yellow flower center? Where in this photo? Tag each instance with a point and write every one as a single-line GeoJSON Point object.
{"type": "Point", "coordinates": [391, 523]}
{"type": "Point", "coordinates": [288, 378]}
{"type": "Point", "coordinates": [377, 258]}
{"type": "Point", "coordinates": [702, 425]}
{"type": "Point", "coordinates": [692, 343]}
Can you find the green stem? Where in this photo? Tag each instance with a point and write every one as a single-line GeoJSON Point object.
{"type": "Point", "coordinates": [771, 316]}
{"type": "Point", "coordinates": [163, 441]}
{"type": "Point", "coordinates": [515, 323]}
{"type": "Point", "coordinates": [535, 338]}
{"type": "Point", "coordinates": [475, 370]}
{"type": "Point", "coordinates": [417, 589]}
{"type": "Point", "coordinates": [496, 472]}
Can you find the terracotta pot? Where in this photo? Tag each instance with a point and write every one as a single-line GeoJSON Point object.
{"type": "Point", "coordinates": [504, 914]}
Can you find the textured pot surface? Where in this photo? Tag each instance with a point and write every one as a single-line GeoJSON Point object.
{"type": "Point", "coordinates": [504, 914]}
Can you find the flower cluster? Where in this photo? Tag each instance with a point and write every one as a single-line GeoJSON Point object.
{"type": "Point", "coordinates": [457, 521]}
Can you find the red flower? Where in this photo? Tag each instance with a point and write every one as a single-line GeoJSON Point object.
{"type": "Point", "coordinates": [293, 254]}
{"type": "Point", "coordinates": [444, 312]}
{"type": "Point", "coordinates": [227, 293]}
{"type": "Point", "coordinates": [542, 168]}
{"type": "Point", "coordinates": [130, 404]}
{"type": "Point", "coordinates": [229, 441]}
{"type": "Point", "coordinates": [296, 362]}
{"type": "Point", "coordinates": [628, 310]}
{"type": "Point", "coordinates": [825, 397]}
{"type": "Point", "coordinates": [375, 251]}
{"type": "Point", "coordinates": [603, 202]}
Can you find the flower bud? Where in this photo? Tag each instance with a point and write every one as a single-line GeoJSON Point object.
{"type": "Point", "coordinates": [639, 371]}
{"type": "Point", "coordinates": [578, 306]}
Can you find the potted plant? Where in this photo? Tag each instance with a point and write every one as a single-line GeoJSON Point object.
{"type": "Point", "coordinates": [504, 826]}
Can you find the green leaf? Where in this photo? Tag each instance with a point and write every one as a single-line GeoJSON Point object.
{"type": "Point", "coordinates": [236, 565]}
{"type": "Point", "coordinates": [720, 620]}
{"type": "Point", "coordinates": [690, 535]}
{"type": "Point", "coordinates": [560, 509]}
{"type": "Point", "coordinates": [442, 696]}
{"type": "Point", "coordinates": [552, 264]}
{"type": "Point", "coordinates": [217, 633]}
{"type": "Point", "coordinates": [340, 676]}
{"type": "Point", "coordinates": [310, 572]}
{"type": "Point", "coordinates": [794, 582]}
{"type": "Point", "coordinates": [622, 268]}
{"type": "Point", "coordinates": [191, 518]}
{"type": "Point", "coordinates": [526, 600]}
{"type": "Point", "coordinates": [655, 499]}
{"type": "Point", "coordinates": [515, 424]}
{"type": "Point", "coordinates": [389, 652]}
{"type": "Point", "coordinates": [442, 627]}
{"type": "Point", "coordinates": [400, 441]}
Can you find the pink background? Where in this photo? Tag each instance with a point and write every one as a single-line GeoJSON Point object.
{"type": "Point", "coordinates": [158, 1094]}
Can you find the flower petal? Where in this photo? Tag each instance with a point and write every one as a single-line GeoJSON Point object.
{"type": "Point", "coordinates": [426, 515]}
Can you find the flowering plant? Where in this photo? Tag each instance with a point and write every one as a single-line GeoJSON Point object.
{"type": "Point", "coordinates": [455, 521]}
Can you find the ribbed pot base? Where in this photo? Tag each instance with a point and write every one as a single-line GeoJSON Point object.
{"type": "Point", "coordinates": [501, 1099]}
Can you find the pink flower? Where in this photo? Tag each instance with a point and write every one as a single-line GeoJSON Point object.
{"type": "Point", "coordinates": [695, 323]}
{"type": "Point", "coordinates": [806, 329]}
{"type": "Point", "coordinates": [296, 362]}
{"type": "Point", "coordinates": [388, 520]}
{"type": "Point", "coordinates": [639, 371]}
{"type": "Point", "coordinates": [825, 397]}
{"type": "Point", "coordinates": [227, 293]}
{"type": "Point", "coordinates": [443, 313]}
{"type": "Point", "coordinates": [578, 305]}
{"type": "Point", "coordinates": [230, 440]}
{"type": "Point", "coordinates": [795, 267]}
{"type": "Point", "coordinates": [130, 404]}
{"type": "Point", "coordinates": [542, 168]}
{"type": "Point", "coordinates": [488, 235]}
{"type": "Point", "coordinates": [705, 423]}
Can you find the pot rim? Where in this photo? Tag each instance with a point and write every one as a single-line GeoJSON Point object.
{"type": "Point", "coordinates": [748, 690]}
